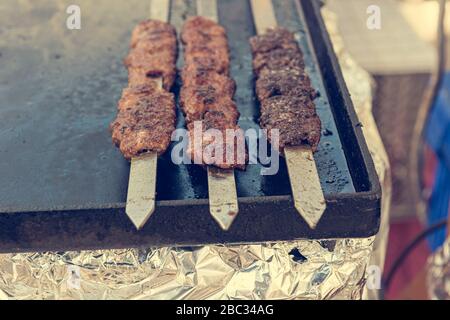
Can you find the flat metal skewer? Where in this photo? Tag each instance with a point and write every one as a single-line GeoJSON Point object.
{"type": "Point", "coordinates": [305, 184]}
{"type": "Point", "coordinates": [142, 181]}
{"type": "Point", "coordinates": [141, 189]}
{"type": "Point", "coordinates": [303, 176]}
{"type": "Point", "coordinates": [223, 203]}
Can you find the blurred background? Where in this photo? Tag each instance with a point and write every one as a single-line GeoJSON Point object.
{"type": "Point", "coordinates": [402, 57]}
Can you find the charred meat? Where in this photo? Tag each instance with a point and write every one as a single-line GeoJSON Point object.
{"type": "Point", "coordinates": [284, 90]}
{"type": "Point", "coordinates": [146, 112]}
{"type": "Point", "coordinates": [207, 94]}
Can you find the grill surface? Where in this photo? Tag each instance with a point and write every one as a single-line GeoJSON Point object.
{"type": "Point", "coordinates": [63, 183]}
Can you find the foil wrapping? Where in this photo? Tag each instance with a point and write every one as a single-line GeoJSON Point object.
{"type": "Point", "coordinates": [328, 269]}
{"type": "Point", "coordinates": [302, 269]}
{"type": "Point", "coordinates": [439, 273]}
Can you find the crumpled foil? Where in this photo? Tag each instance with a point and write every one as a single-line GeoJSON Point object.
{"type": "Point", "coordinates": [287, 270]}
{"type": "Point", "coordinates": [439, 273]}
{"type": "Point", "coordinates": [303, 269]}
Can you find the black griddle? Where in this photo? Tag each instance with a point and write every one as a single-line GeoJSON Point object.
{"type": "Point", "coordinates": [63, 184]}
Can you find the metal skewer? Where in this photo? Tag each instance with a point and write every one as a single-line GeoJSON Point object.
{"type": "Point", "coordinates": [142, 181]}
{"type": "Point", "coordinates": [223, 203]}
{"type": "Point", "coordinates": [303, 176]}
{"type": "Point", "coordinates": [141, 189]}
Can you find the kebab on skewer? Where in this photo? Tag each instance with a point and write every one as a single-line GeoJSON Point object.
{"type": "Point", "coordinates": [284, 89]}
{"type": "Point", "coordinates": [207, 94]}
{"type": "Point", "coordinates": [287, 104]}
{"type": "Point", "coordinates": [146, 111]}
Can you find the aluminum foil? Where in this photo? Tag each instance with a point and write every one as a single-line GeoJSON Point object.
{"type": "Point", "coordinates": [439, 273]}
{"type": "Point", "coordinates": [303, 269]}
{"type": "Point", "coordinates": [288, 270]}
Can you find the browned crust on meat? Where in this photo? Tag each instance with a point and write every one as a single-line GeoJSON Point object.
{"type": "Point", "coordinates": [152, 31]}
{"type": "Point", "coordinates": [278, 59]}
{"type": "Point", "coordinates": [285, 82]}
{"type": "Point", "coordinates": [153, 53]}
{"type": "Point", "coordinates": [274, 38]}
{"type": "Point", "coordinates": [146, 113]}
{"type": "Point", "coordinates": [201, 27]}
{"type": "Point", "coordinates": [232, 144]}
{"type": "Point", "coordinates": [284, 90]}
{"type": "Point", "coordinates": [196, 101]}
{"type": "Point", "coordinates": [294, 117]}
{"type": "Point", "coordinates": [207, 94]}
{"type": "Point", "coordinates": [146, 125]}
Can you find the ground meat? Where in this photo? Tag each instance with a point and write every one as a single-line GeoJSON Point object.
{"type": "Point", "coordinates": [153, 32]}
{"type": "Point", "coordinates": [152, 65]}
{"type": "Point", "coordinates": [216, 59]}
{"type": "Point", "coordinates": [287, 82]}
{"type": "Point", "coordinates": [146, 124]}
{"type": "Point", "coordinates": [207, 93]}
{"type": "Point", "coordinates": [195, 101]}
{"type": "Point", "coordinates": [201, 27]}
{"type": "Point", "coordinates": [197, 75]}
{"type": "Point", "coordinates": [294, 117]}
{"type": "Point", "coordinates": [284, 90]}
{"type": "Point", "coordinates": [146, 117]}
{"type": "Point", "coordinates": [278, 59]}
{"type": "Point", "coordinates": [275, 38]}
{"type": "Point", "coordinates": [233, 153]}
{"type": "Point", "coordinates": [132, 95]}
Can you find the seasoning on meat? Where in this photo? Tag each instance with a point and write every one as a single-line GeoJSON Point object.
{"type": "Point", "coordinates": [153, 52]}
{"type": "Point", "coordinates": [145, 126]}
{"type": "Point", "coordinates": [207, 94]}
{"type": "Point", "coordinates": [146, 113]}
{"type": "Point", "coordinates": [284, 89]}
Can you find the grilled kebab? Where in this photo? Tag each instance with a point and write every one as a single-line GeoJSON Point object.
{"type": "Point", "coordinates": [146, 112]}
{"type": "Point", "coordinates": [207, 94]}
{"type": "Point", "coordinates": [284, 89]}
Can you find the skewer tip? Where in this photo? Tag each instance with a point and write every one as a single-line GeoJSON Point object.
{"type": "Point", "coordinates": [224, 214]}
{"type": "Point", "coordinates": [223, 203]}
{"type": "Point", "coordinates": [311, 213]}
{"type": "Point", "coordinates": [140, 213]}
{"type": "Point", "coordinates": [307, 192]}
{"type": "Point", "coordinates": [141, 189]}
